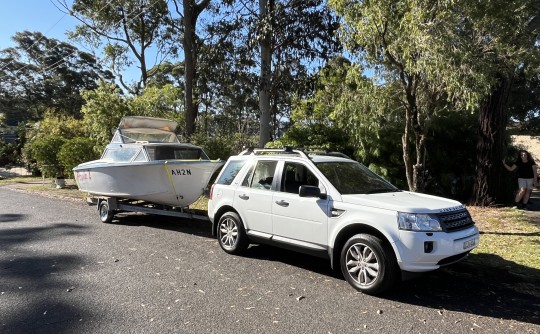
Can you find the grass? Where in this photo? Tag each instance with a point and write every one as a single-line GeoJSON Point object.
{"type": "Point", "coordinates": [510, 235]}
{"type": "Point", "coordinates": [510, 239]}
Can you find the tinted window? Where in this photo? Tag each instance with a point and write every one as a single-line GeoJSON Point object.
{"type": "Point", "coordinates": [262, 176]}
{"type": "Point", "coordinates": [175, 153]}
{"type": "Point", "coordinates": [296, 175]}
{"type": "Point", "coordinates": [354, 178]}
{"type": "Point", "coordinates": [231, 170]}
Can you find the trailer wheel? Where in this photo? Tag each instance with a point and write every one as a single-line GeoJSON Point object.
{"type": "Point", "coordinates": [105, 214]}
{"type": "Point", "coordinates": [231, 234]}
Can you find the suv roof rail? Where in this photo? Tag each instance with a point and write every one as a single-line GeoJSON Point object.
{"type": "Point", "coordinates": [274, 151]}
{"type": "Point", "coordinates": [328, 153]}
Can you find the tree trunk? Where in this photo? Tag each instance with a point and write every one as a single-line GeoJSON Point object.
{"type": "Point", "coordinates": [189, 66]}
{"type": "Point", "coordinates": [488, 188]}
{"type": "Point", "coordinates": [406, 152]}
{"type": "Point", "coordinates": [192, 10]}
{"type": "Point", "coordinates": [419, 169]}
{"type": "Point", "coordinates": [265, 77]}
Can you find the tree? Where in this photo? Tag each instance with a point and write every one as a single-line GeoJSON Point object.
{"type": "Point", "coordinates": [524, 103]}
{"type": "Point", "coordinates": [285, 41]}
{"type": "Point", "coordinates": [438, 55]}
{"type": "Point", "coordinates": [506, 52]}
{"type": "Point", "coordinates": [391, 36]}
{"type": "Point", "coordinates": [343, 115]}
{"type": "Point", "coordinates": [41, 73]}
{"type": "Point", "coordinates": [103, 110]}
{"type": "Point", "coordinates": [165, 102]}
{"type": "Point", "coordinates": [189, 15]}
{"type": "Point", "coordinates": [127, 30]}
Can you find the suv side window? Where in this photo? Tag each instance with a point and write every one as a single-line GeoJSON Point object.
{"type": "Point", "coordinates": [296, 175]}
{"type": "Point", "coordinates": [230, 172]}
{"type": "Point", "coordinates": [262, 175]}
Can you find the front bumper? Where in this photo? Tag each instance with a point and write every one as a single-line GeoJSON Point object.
{"type": "Point", "coordinates": [425, 251]}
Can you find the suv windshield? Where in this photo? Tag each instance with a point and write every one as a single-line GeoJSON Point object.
{"type": "Point", "coordinates": [354, 178]}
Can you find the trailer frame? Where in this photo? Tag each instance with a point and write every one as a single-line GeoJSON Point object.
{"type": "Point", "coordinates": [108, 207]}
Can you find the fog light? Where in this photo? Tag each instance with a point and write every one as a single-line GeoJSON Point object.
{"type": "Point", "coordinates": [428, 246]}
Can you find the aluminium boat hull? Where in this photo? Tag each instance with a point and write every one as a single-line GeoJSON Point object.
{"type": "Point", "coordinates": [177, 183]}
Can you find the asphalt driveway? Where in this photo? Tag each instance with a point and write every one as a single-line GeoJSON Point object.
{"type": "Point", "coordinates": [62, 271]}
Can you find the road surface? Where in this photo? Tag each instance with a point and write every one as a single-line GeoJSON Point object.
{"type": "Point", "coordinates": [63, 271]}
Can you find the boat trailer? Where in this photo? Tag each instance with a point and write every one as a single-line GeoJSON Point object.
{"type": "Point", "coordinates": [108, 207]}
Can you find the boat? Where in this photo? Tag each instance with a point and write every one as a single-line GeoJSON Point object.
{"type": "Point", "coordinates": [145, 161]}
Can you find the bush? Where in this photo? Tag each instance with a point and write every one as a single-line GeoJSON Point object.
{"type": "Point", "coordinates": [75, 151]}
{"type": "Point", "coordinates": [8, 154]}
{"type": "Point", "coordinates": [223, 147]}
{"type": "Point", "coordinates": [45, 151]}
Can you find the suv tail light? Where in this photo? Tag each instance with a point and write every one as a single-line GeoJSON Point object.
{"type": "Point", "coordinates": [212, 190]}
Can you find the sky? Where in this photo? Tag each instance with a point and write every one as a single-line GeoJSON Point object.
{"type": "Point", "coordinates": [41, 16]}
{"type": "Point", "coordinates": [32, 15]}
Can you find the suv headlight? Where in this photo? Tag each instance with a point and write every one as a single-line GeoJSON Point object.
{"type": "Point", "coordinates": [418, 222]}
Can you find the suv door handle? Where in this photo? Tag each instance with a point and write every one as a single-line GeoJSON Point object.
{"type": "Point", "coordinates": [282, 203]}
{"type": "Point", "coordinates": [244, 196]}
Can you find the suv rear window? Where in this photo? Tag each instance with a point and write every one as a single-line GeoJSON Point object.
{"type": "Point", "coordinates": [231, 170]}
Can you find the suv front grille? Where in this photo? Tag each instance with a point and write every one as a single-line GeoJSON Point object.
{"type": "Point", "coordinates": [455, 221]}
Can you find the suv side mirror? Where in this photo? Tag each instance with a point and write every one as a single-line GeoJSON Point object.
{"type": "Point", "coordinates": [311, 191]}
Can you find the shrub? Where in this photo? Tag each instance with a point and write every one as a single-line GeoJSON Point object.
{"type": "Point", "coordinates": [75, 151]}
{"type": "Point", "coordinates": [45, 151]}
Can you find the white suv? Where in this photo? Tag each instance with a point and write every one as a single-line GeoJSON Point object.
{"type": "Point", "coordinates": [336, 208]}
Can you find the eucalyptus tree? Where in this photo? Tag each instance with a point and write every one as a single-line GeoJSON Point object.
{"type": "Point", "coordinates": [189, 12]}
{"type": "Point", "coordinates": [128, 32]}
{"type": "Point", "coordinates": [437, 55]}
{"type": "Point", "coordinates": [41, 73]}
{"type": "Point", "coordinates": [285, 41]}
{"type": "Point", "coordinates": [505, 48]}
{"type": "Point", "coordinates": [524, 104]}
{"type": "Point", "coordinates": [349, 113]}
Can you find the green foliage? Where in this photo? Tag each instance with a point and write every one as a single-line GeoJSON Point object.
{"type": "Point", "coordinates": [224, 146]}
{"type": "Point", "coordinates": [345, 115]}
{"type": "Point", "coordinates": [104, 108]}
{"type": "Point", "coordinates": [41, 73]}
{"type": "Point", "coordinates": [8, 154]}
{"type": "Point", "coordinates": [58, 125]}
{"type": "Point", "coordinates": [44, 151]}
{"type": "Point", "coordinates": [451, 168]}
{"type": "Point", "coordinates": [126, 30]}
{"type": "Point", "coordinates": [165, 102]}
{"type": "Point", "coordinates": [75, 151]}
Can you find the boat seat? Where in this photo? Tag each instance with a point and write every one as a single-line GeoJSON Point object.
{"type": "Point", "coordinates": [165, 153]}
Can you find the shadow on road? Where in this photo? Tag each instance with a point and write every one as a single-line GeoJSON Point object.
{"type": "Point", "coordinates": [11, 217]}
{"type": "Point", "coordinates": [200, 228]}
{"type": "Point", "coordinates": [36, 295]}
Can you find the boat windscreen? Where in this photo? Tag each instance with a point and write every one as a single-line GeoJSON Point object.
{"type": "Point", "coordinates": [120, 154]}
{"type": "Point", "coordinates": [175, 153]}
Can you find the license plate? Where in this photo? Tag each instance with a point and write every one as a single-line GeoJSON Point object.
{"type": "Point", "coordinates": [469, 243]}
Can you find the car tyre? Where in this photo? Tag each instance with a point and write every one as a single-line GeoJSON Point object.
{"type": "Point", "coordinates": [368, 265]}
{"type": "Point", "coordinates": [231, 234]}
